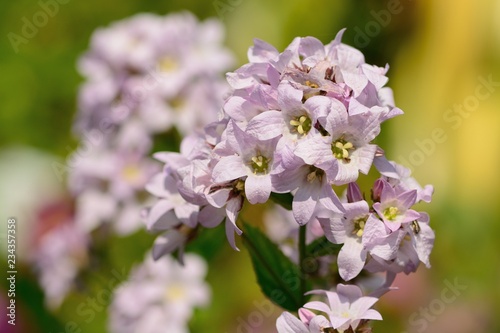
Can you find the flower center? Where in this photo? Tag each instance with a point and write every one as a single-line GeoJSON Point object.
{"type": "Point", "coordinates": [239, 186]}
{"type": "Point", "coordinates": [340, 149]}
{"type": "Point", "coordinates": [391, 213]}
{"type": "Point", "coordinates": [315, 173]}
{"type": "Point", "coordinates": [312, 84]}
{"type": "Point", "coordinates": [175, 292]}
{"type": "Point", "coordinates": [359, 225]}
{"type": "Point", "coordinates": [131, 174]}
{"type": "Point", "coordinates": [168, 64]}
{"type": "Point", "coordinates": [177, 103]}
{"type": "Point", "coordinates": [301, 125]}
{"type": "Point", "coordinates": [260, 164]}
{"type": "Point", "coordinates": [328, 330]}
{"type": "Point", "coordinates": [415, 227]}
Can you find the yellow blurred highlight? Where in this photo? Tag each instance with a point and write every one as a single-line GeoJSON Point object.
{"type": "Point", "coordinates": [437, 72]}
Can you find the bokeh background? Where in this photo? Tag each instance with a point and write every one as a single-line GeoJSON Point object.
{"type": "Point", "coordinates": [441, 54]}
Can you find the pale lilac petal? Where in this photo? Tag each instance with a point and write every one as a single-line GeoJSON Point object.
{"type": "Point", "coordinates": [258, 188]}
{"type": "Point", "coordinates": [347, 173]}
{"type": "Point", "coordinates": [373, 231]}
{"type": "Point", "coordinates": [388, 249]}
{"type": "Point", "coordinates": [426, 194]}
{"type": "Point", "coordinates": [229, 168]}
{"type": "Point", "coordinates": [387, 193]}
{"type": "Point", "coordinates": [356, 108]}
{"type": "Point", "coordinates": [337, 117]}
{"type": "Point", "coordinates": [157, 218]}
{"type": "Point", "coordinates": [357, 82]}
{"type": "Point", "coordinates": [424, 242]}
{"type": "Point", "coordinates": [334, 300]}
{"type": "Point", "coordinates": [174, 160]}
{"type": "Point", "coordinates": [375, 75]}
{"type": "Point", "coordinates": [321, 106]}
{"type": "Point", "coordinates": [407, 199]}
{"type": "Point", "coordinates": [303, 205]}
{"type": "Point", "coordinates": [349, 292]}
{"type": "Point", "coordinates": [329, 199]}
{"type": "Point", "coordinates": [364, 157]}
{"type": "Point", "coordinates": [356, 209]}
{"type": "Point", "coordinates": [318, 323]}
{"type": "Point", "coordinates": [424, 217]}
{"type": "Point", "coordinates": [219, 198]}
{"type": "Point", "coordinates": [334, 229]}
{"type": "Point", "coordinates": [230, 230]}
{"type": "Point", "coordinates": [233, 207]}
{"type": "Point", "coordinates": [266, 125]}
{"type": "Point", "coordinates": [319, 306]}
{"type": "Point", "coordinates": [289, 98]}
{"type": "Point", "coordinates": [238, 108]}
{"type": "Point", "coordinates": [314, 150]}
{"type": "Point", "coordinates": [273, 76]}
{"type": "Point", "coordinates": [351, 258]}
{"type": "Point", "coordinates": [287, 323]}
{"type": "Point", "coordinates": [262, 51]}
{"type": "Point", "coordinates": [385, 167]}
{"type": "Point", "coordinates": [288, 180]}
{"type": "Point", "coordinates": [311, 47]}
{"type": "Point", "coordinates": [156, 186]}
{"type": "Point", "coordinates": [410, 216]}
{"type": "Point", "coordinates": [210, 216]}
{"type": "Point", "coordinates": [338, 321]}
{"type": "Point", "coordinates": [361, 305]}
{"type": "Point", "coordinates": [167, 243]}
{"type": "Point", "coordinates": [187, 213]}
{"type": "Point", "coordinates": [372, 314]}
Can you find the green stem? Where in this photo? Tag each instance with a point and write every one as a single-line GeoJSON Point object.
{"type": "Point", "coordinates": [302, 257]}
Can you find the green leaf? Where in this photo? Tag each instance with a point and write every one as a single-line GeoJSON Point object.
{"type": "Point", "coordinates": [322, 247]}
{"type": "Point", "coordinates": [278, 277]}
{"type": "Point", "coordinates": [208, 242]}
{"type": "Point", "coordinates": [283, 199]}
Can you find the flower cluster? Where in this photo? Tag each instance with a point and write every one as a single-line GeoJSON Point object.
{"type": "Point", "coordinates": [59, 251]}
{"type": "Point", "coordinates": [144, 76]}
{"type": "Point", "coordinates": [346, 309]}
{"type": "Point", "coordinates": [300, 122]}
{"type": "Point", "coordinates": [160, 296]}
{"type": "Point", "coordinates": [147, 78]}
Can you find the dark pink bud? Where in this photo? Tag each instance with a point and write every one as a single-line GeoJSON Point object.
{"type": "Point", "coordinates": [377, 189]}
{"type": "Point", "coordinates": [354, 193]}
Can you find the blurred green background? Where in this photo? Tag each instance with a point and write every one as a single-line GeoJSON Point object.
{"type": "Point", "coordinates": [440, 52]}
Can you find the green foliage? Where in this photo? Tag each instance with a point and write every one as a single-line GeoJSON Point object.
{"type": "Point", "coordinates": [278, 277]}
{"type": "Point", "coordinates": [208, 242]}
{"type": "Point", "coordinates": [283, 199]}
{"type": "Point", "coordinates": [322, 247]}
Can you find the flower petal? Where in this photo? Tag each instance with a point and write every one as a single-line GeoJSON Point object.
{"type": "Point", "coordinates": [351, 258]}
{"type": "Point", "coordinates": [258, 188]}
{"type": "Point", "coordinates": [287, 323]}
{"type": "Point", "coordinates": [267, 125]}
{"type": "Point", "coordinates": [229, 168]}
